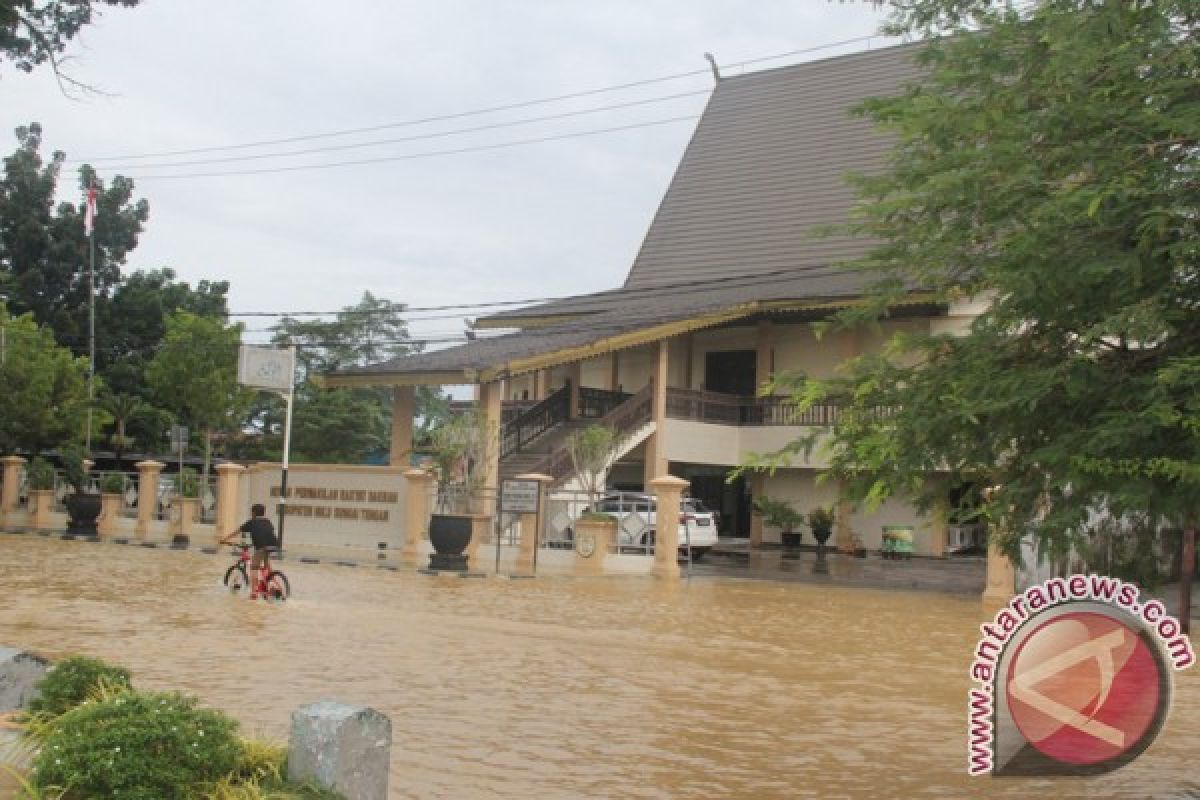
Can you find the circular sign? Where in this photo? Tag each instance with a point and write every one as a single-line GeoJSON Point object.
{"type": "Point", "coordinates": [1086, 688]}
{"type": "Point", "coordinates": [585, 544]}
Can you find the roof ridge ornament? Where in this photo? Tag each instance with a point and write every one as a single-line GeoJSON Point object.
{"type": "Point", "coordinates": [712, 62]}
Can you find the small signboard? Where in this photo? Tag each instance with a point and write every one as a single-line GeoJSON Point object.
{"type": "Point", "coordinates": [519, 497]}
{"type": "Point", "coordinates": [266, 367]}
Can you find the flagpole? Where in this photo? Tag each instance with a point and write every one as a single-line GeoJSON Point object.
{"type": "Point", "coordinates": [91, 324]}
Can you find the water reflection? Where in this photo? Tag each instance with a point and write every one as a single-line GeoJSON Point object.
{"type": "Point", "coordinates": [561, 688]}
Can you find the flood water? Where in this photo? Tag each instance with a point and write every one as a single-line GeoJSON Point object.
{"type": "Point", "coordinates": [564, 688]}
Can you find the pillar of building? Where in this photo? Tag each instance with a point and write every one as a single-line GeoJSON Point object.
{"type": "Point", "coordinates": [939, 531]}
{"type": "Point", "coordinates": [689, 355]}
{"type": "Point", "coordinates": [404, 408]}
{"type": "Point", "coordinates": [148, 474]}
{"type": "Point", "coordinates": [843, 534]}
{"type": "Point", "coordinates": [10, 490]}
{"type": "Point", "coordinates": [614, 371]}
{"type": "Point", "coordinates": [1001, 582]}
{"type": "Point", "coordinates": [656, 450]}
{"type": "Point", "coordinates": [539, 385]}
{"type": "Point", "coordinates": [529, 526]}
{"type": "Point", "coordinates": [416, 516]}
{"type": "Point", "coordinates": [229, 505]}
{"type": "Point", "coordinates": [758, 488]}
{"type": "Point", "coordinates": [764, 352]}
{"type": "Point", "coordinates": [491, 401]}
{"type": "Point", "coordinates": [575, 376]}
{"type": "Point", "coordinates": [667, 490]}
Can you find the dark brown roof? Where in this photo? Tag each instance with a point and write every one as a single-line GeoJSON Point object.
{"type": "Point", "coordinates": [765, 168]}
{"type": "Point", "coordinates": [733, 235]}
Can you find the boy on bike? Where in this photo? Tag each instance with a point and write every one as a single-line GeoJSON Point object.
{"type": "Point", "coordinates": [262, 536]}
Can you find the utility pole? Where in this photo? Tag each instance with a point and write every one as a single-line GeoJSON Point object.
{"type": "Point", "coordinates": [89, 226]}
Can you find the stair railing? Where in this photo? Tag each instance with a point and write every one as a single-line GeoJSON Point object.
{"type": "Point", "coordinates": [531, 424]}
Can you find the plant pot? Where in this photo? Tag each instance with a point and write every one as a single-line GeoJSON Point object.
{"type": "Point", "coordinates": [82, 511]}
{"type": "Point", "coordinates": [449, 534]}
{"type": "Point", "coordinates": [822, 536]}
{"type": "Point", "coordinates": [791, 539]}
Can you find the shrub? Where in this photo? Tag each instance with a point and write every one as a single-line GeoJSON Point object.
{"type": "Point", "coordinates": [113, 483]}
{"type": "Point", "coordinates": [72, 680]}
{"type": "Point", "coordinates": [187, 483]}
{"type": "Point", "coordinates": [138, 746]}
{"type": "Point", "coordinates": [40, 474]}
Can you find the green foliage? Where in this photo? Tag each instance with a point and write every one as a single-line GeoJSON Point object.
{"type": "Point", "coordinates": [33, 32]}
{"type": "Point", "coordinates": [778, 513]}
{"type": "Point", "coordinates": [592, 450]}
{"type": "Point", "coordinates": [71, 680]}
{"type": "Point", "coordinates": [112, 483]}
{"type": "Point", "coordinates": [141, 746]}
{"type": "Point", "coordinates": [40, 474]}
{"type": "Point", "coordinates": [820, 520]}
{"type": "Point", "coordinates": [1046, 166]}
{"type": "Point", "coordinates": [74, 471]}
{"type": "Point", "coordinates": [45, 392]}
{"type": "Point", "coordinates": [187, 483]}
{"type": "Point", "coordinates": [1128, 551]}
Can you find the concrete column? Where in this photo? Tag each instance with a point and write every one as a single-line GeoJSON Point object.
{"type": "Point", "coordinates": [340, 747]}
{"type": "Point", "coordinates": [491, 399]}
{"type": "Point", "coordinates": [148, 473]}
{"type": "Point", "coordinates": [667, 490]}
{"type": "Point", "coordinates": [40, 501]}
{"type": "Point", "coordinates": [656, 450]}
{"type": "Point", "coordinates": [416, 516]}
{"type": "Point", "coordinates": [539, 385]}
{"type": "Point", "coordinates": [843, 533]}
{"type": "Point", "coordinates": [12, 484]}
{"type": "Point", "coordinates": [939, 534]}
{"type": "Point", "coordinates": [527, 554]}
{"type": "Point", "coordinates": [110, 513]}
{"type": "Point", "coordinates": [576, 377]}
{"type": "Point", "coordinates": [764, 353]}
{"type": "Point", "coordinates": [758, 488]}
{"type": "Point", "coordinates": [229, 506]}
{"type": "Point", "coordinates": [1001, 582]}
{"type": "Point", "coordinates": [689, 355]}
{"type": "Point", "coordinates": [404, 408]}
{"type": "Point", "coordinates": [614, 371]}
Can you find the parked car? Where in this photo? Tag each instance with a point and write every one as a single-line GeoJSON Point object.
{"type": "Point", "coordinates": [636, 515]}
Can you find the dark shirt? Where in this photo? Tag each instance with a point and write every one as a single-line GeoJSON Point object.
{"type": "Point", "coordinates": [262, 532]}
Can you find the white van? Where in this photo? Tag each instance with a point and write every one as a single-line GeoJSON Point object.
{"type": "Point", "coordinates": [636, 517]}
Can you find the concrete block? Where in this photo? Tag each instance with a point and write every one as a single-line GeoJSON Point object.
{"type": "Point", "coordinates": [341, 747]}
{"type": "Point", "coordinates": [20, 673]}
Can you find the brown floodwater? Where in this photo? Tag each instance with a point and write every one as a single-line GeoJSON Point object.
{"type": "Point", "coordinates": [564, 688]}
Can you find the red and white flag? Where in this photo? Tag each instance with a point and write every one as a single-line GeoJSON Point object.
{"type": "Point", "coordinates": [89, 211]}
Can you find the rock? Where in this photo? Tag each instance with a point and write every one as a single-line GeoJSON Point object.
{"type": "Point", "coordinates": [20, 673]}
{"type": "Point", "coordinates": [340, 747]}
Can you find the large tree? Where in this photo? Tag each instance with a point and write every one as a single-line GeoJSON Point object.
{"type": "Point", "coordinates": [44, 254]}
{"type": "Point", "coordinates": [1047, 163]}
{"type": "Point", "coordinates": [34, 32]}
{"type": "Point", "coordinates": [43, 402]}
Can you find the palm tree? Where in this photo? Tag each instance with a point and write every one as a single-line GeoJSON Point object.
{"type": "Point", "coordinates": [123, 408]}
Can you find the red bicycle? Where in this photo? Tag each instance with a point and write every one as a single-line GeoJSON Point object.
{"type": "Point", "coordinates": [270, 584]}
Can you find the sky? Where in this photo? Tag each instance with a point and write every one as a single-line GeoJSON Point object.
{"type": "Point", "coordinates": [494, 222]}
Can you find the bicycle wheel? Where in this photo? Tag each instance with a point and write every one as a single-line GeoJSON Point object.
{"type": "Point", "coordinates": [235, 578]}
{"type": "Point", "coordinates": [277, 586]}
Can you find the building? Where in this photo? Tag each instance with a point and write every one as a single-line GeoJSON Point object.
{"type": "Point", "coordinates": [721, 296]}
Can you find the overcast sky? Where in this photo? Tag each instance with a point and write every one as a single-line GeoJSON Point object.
{"type": "Point", "coordinates": [537, 220]}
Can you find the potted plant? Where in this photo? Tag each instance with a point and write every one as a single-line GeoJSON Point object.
{"type": "Point", "coordinates": [83, 505]}
{"type": "Point", "coordinates": [592, 450]}
{"type": "Point", "coordinates": [820, 522]}
{"type": "Point", "coordinates": [39, 478]}
{"type": "Point", "coordinates": [780, 514]}
{"type": "Point", "coordinates": [460, 448]}
{"type": "Point", "coordinates": [187, 494]}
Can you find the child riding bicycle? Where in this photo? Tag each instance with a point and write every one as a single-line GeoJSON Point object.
{"type": "Point", "coordinates": [262, 536]}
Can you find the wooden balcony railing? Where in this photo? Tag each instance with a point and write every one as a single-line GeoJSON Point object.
{"type": "Point", "coordinates": [731, 409]}
{"type": "Point", "coordinates": [532, 423]}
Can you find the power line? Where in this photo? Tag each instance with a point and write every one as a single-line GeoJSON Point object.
{"type": "Point", "coordinates": [414, 138]}
{"type": "Point", "coordinates": [474, 112]}
{"type": "Point", "coordinates": [427, 154]}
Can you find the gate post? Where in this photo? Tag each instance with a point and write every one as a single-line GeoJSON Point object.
{"type": "Point", "coordinates": [668, 490]}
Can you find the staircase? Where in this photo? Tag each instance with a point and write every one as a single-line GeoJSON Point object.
{"type": "Point", "coordinates": [539, 445]}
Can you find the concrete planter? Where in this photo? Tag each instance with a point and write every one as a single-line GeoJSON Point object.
{"type": "Point", "coordinates": [40, 503]}
{"type": "Point", "coordinates": [449, 534]}
{"type": "Point", "coordinates": [82, 510]}
{"type": "Point", "coordinates": [110, 512]}
{"type": "Point", "coordinates": [593, 537]}
{"type": "Point", "coordinates": [183, 519]}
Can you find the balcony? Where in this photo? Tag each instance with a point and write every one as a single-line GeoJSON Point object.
{"type": "Point", "coordinates": [729, 409]}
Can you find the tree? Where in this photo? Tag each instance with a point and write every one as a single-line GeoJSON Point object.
{"type": "Point", "coordinates": [33, 32]}
{"type": "Point", "coordinates": [592, 451]}
{"type": "Point", "coordinates": [342, 425]}
{"type": "Point", "coordinates": [1048, 163]}
{"type": "Point", "coordinates": [194, 374]}
{"type": "Point", "coordinates": [44, 399]}
{"type": "Point", "coordinates": [44, 254]}
{"type": "Point", "coordinates": [123, 408]}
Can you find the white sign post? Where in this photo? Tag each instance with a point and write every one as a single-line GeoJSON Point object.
{"type": "Point", "coordinates": [273, 369]}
